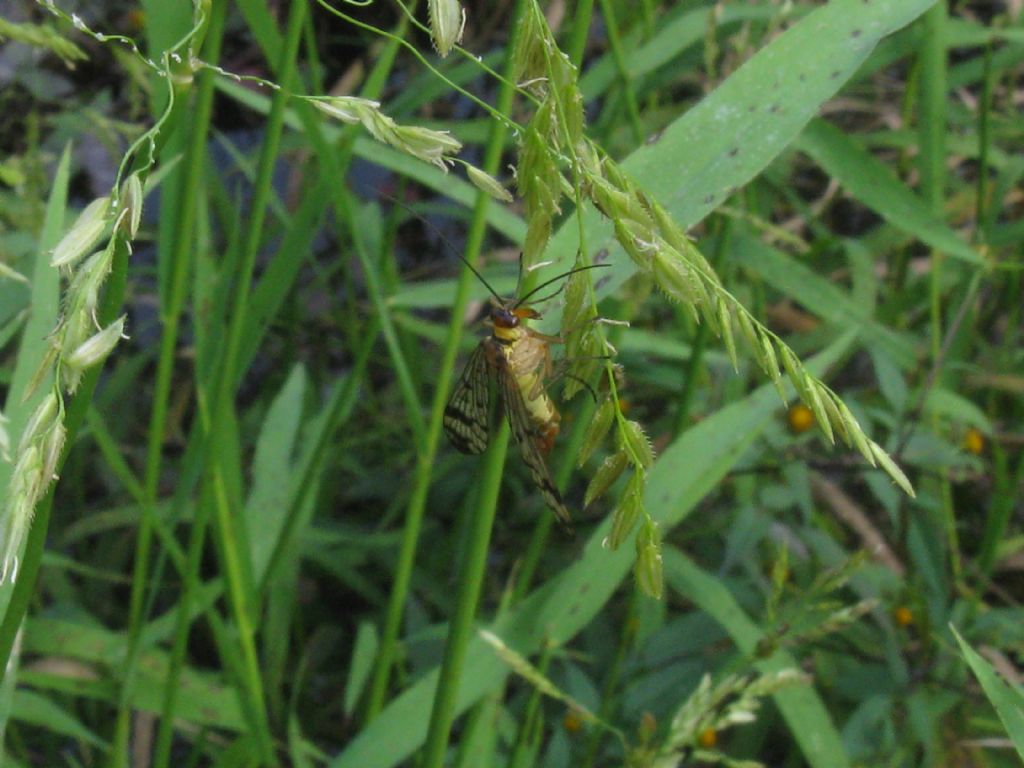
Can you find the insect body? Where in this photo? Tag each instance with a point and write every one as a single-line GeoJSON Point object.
{"type": "Point", "coordinates": [520, 360]}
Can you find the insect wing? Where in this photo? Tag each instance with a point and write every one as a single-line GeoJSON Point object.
{"type": "Point", "coordinates": [467, 415]}
{"type": "Point", "coordinates": [519, 420]}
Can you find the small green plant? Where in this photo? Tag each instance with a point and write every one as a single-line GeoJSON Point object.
{"type": "Point", "coordinates": [693, 731]}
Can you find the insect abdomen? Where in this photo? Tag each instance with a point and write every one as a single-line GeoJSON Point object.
{"type": "Point", "coordinates": [543, 413]}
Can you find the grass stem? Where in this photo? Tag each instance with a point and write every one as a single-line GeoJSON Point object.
{"type": "Point", "coordinates": [184, 209]}
{"type": "Point", "coordinates": [218, 415]}
{"type": "Point", "coordinates": [470, 581]}
{"type": "Point", "coordinates": [425, 463]}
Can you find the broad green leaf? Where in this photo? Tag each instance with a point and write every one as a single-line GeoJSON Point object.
{"type": "Point", "coordinates": [363, 653]}
{"type": "Point", "coordinates": [44, 307]}
{"type": "Point", "coordinates": [732, 135]}
{"type": "Point", "coordinates": [36, 709]}
{"type": "Point", "coordinates": [871, 182]}
{"type": "Point", "coordinates": [203, 699]}
{"type": "Point", "coordinates": [945, 402]}
{"type": "Point", "coordinates": [271, 494]}
{"type": "Point", "coordinates": [1008, 701]}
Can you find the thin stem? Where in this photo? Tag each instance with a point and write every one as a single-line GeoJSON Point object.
{"type": "Point", "coordinates": [932, 129]}
{"type": "Point", "coordinates": [580, 32]}
{"type": "Point", "coordinates": [611, 681]}
{"type": "Point", "coordinates": [495, 113]}
{"type": "Point", "coordinates": [619, 56]}
{"type": "Point", "coordinates": [180, 259]}
{"type": "Point", "coordinates": [932, 121]}
{"type": "Point", "coordinates": [531, 721]}
{"type": "Point", "coordinates": [981, 214]}
{"type": "Point", "coordinates": [470, 580]}
{"type": "Point", "coordinates": [932, 107]}
{"type": "Point", "coordinates": [406, 385]}
{"type": "Point", "coordinates": [425, 464]}
{"type": "Point", "coordinates": [218, 418]}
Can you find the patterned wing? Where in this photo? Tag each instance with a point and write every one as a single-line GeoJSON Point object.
{"type": "Point", "coordinates": [467, 415]}
{"type": "Point", "coordinates": [519, 420]}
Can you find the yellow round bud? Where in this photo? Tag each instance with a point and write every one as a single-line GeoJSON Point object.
{"type": "Point", "coordinates": [974, 441]}
{"type": "Point", "coordinates": [800, 418]}
{"type": "Point", "coordinates": [572, 722]}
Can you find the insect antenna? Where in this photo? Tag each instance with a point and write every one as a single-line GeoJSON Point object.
{"type": "Point", "coordinates": [584, 383]}
{"type": "Point", "coordinates": [448, 243]}
{"type": "Point", "coordinates": [555, 279]}
{"type": "Point", "coordinates": [480, 277]}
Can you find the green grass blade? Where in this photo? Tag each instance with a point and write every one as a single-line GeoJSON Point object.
{"type": "Point", "coordinates": [263, 27]}
{"type": "Point", "coordinates": [669, 42]}
{"type": "Point", "coordinates": [1008, 701]}
{"type": "Point", "coordinates": [268, 502]}
{"type": "Point", "coordinates": [35, 709]}
{"type": "Point", "coordinates": [819, 295]}
{"type": "Point", "coordinates": [364, 649]}
{"type": "Point", "coordinates": [205, 698]}
{"type": "Point", "coordinates": [43, 311]}
{"type": "Point", "coordinates": [873, 183]}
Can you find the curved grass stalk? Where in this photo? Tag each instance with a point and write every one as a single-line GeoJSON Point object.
{"type": "Point", "coordinates": [110, 304]}
{"type": "Point", "coordinates": [181, 267]}
{"type": "Point", "coordinates": [494, 112]}
{"type": "Point", "coordinates": [660, 248]}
